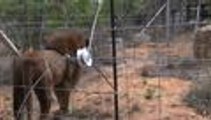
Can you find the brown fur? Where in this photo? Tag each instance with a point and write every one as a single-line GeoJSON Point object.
{"type": "Point", "coordinates": [65, 41]}
{"type": "Point", "coordinates": [60, 77]}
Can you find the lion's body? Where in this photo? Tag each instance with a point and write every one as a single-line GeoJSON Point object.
{"type": "Point", "coordinates": [50, 71]}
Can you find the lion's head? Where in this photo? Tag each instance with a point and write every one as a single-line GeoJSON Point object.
{"type": "Point", "coordinates": [65, 41]}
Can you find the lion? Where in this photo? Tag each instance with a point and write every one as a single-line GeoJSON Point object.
{"type": "Point", "coordinates": [46, 71]}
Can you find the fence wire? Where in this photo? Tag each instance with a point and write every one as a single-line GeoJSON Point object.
{"type": "Point", "coordinates": [159, 76]}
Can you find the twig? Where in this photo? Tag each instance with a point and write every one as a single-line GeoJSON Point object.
{"type": "Point", "coordinates": [9, 43]}
{"type": "Point", "coordinates": [104, 76]}
{"type": "Point", "coordinates": [153, 18]}
{"type": "Point", "coordinates": [100, 4]}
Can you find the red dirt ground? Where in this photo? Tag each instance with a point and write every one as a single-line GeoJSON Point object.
{"type": "Point", "coordinates": [140, 98]}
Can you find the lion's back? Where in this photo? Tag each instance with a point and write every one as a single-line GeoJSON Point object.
{"type": "Point", "coordinates": [36, 62]}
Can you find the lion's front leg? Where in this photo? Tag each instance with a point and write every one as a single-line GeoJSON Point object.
{"type": "Point", "coordinates": [62, 93]}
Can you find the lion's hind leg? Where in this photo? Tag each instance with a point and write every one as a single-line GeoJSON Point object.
{"type": "Point", "coordinates": [44, 97]}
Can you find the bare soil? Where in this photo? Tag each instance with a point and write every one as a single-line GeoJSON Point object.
{"type": "Point", "coordinates": [147, 90]}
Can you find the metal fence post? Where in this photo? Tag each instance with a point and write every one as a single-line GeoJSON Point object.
{"type": "Point", "coordinates": [168, 20]}
{"type": "Point", "coordinates": [113, 35]}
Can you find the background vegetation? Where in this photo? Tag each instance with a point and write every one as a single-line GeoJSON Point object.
{"type": "Point", "coordinates": [27, 20]}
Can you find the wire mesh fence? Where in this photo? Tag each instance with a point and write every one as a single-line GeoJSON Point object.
{"type": "Point", "coordinates": [159, 76]}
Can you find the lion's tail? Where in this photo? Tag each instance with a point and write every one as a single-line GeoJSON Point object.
{"type": "Point", "coordinates": [21, 96]}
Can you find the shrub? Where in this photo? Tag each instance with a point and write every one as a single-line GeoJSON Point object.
{"type": "Point", "coordinates": [199, 96]}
